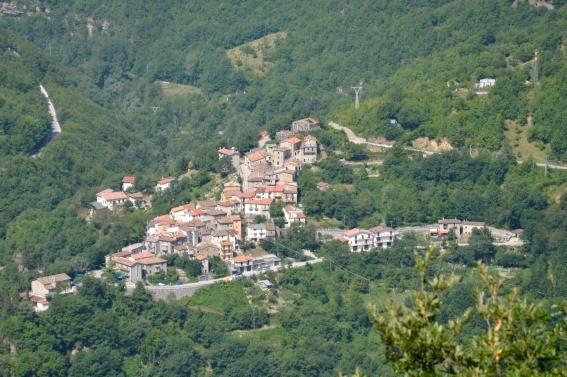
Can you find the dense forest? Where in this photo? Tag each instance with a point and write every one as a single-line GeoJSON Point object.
{"type": "Point", "coordinates": [150, 89]}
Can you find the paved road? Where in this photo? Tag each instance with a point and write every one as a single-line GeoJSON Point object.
{"type": "Point", "coordinates": [360, 140]}
{"type": "Point", "coordinates": [497, 233]}
{"type": "Point", "coordinates": [55, 126]}
{"type": "Point", "coordinates": [187, 290]}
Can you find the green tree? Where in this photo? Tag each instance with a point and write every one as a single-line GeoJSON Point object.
{"type": "Point", "coordinates": [520, 338]}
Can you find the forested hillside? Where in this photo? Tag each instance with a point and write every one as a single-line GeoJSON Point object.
{"type": "Point", "coordinates": [418, 60]}
{"type": "Point", "coordinates": [152, 89]}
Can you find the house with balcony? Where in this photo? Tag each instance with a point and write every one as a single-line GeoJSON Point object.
{"type": "Point", "coordinates": [293, 215]}
{"type": "Point", "coordinates": [359, 240]}
{"type": "Point", "coordinates": [384, 237]}
{"type": "Point", "coordinates": [258, 207]}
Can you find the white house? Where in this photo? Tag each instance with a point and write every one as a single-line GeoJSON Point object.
{"type": "Point", "coordinates": [486, 83]}
{"type": "Point", "coordinates": [110, 198]}
{"type": "Point", "coordinates": [256, 232]}
{"type": "Point", "coordinates": [255, 207]}
{"type": "Point", "coordinates": [359, 240]}
{"type": "Point", "coordinates": [128, 182]}
{"type": "Point", "coordinates": [293, 215]}
{"type": "Point", "coordinates": [49, 285]}
{"type": "Point", "coordinates": [384, 237]}
{"type": "Point", "coordinates": [165, 183]}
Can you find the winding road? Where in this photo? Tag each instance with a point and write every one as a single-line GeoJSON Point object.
{"type": "Point", "coordinates": [360, 140]}
{"type": "Point", "coordinates": [55, 126]}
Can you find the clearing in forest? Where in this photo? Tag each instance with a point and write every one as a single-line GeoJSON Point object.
{"type": "Point", "coordinates": [250, 56]}
{"type": "Point", "coordinates": [173, 89]}
{"type": "Point", "coordinates": [518, 138]}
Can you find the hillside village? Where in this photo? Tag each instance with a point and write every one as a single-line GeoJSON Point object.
{"type": "Point", "coordinates": [259, 182]}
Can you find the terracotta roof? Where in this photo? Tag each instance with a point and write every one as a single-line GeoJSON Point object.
{"type": "Point", "coordinates": [292, 140]}
{"type": "Point", "coordinates": [280, 149]}
{"type": "Point", "coordinates": [226, 243]}
{"type": "Point", "coordinates": [136, 195]}
{"type": "Point", "coordinates": [242, 258]}
{"type": "Point", "coordinates": [246, 195]}
{"type": "Point", "coordinates": [53, 278]}
{"type": "Point", "coordinates": [166, 180]}
{"type": "Point", "coordinates": [207, 204]}
{"type": "Point", "coordinates": [129, 179]}
{"type": "Point", "coordinates": [105, 191]}
{"type": "Point", "coordinates": [115, 195]}
{"type": "Point", "coordinates": [152, 260]}
{"type": "Point", "coordinates": [200, 256]}
{"type": "Point", "coordinates": [215, 212]}
{"type": "Point", "coordinates": [270, 227]}
{"type": "Point", "coordinates": [355, 231]}
{"type": "Point", "coordinates": [224, 220]}
{"type": "Point", "coordinates": [256, 156]}
{"type": "Point", "coordinates": [181, 247]}
{"type": "Point", "coordinates": [144, 254]}
{"type": "Point", "coordinates": [162, 218]}
{"type": "Point", "coordinates": [226, 203]}
{"type": "Point", "coordinates": [179, 209]}
{"type": "Point", "coordinates": [197, 212]}
{"type": "Point", "coordinates": [276, 188]}
{"type": "Point", "coordinates": [37, 299]}
{"type": "Point", "coordinates": [343, 239]}
{"type": "Point", "coordinates": [124, 261]}
{"type": "Point", "coordinates": [124, 253]}
{"type": "Point", "coordinates": [260, 201]}
{"type": "Point", "coordinates": [166, 238]}
{"type": "Point", "coordinates": [227, 152]}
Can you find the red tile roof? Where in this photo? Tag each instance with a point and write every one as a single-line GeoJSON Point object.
{"type": "Point", "coordinates": [256, 156]}
{"type": "Point", "coordinates": [152, 260]}
{"type": "Point", "coordinates": [293, 140]}
{"type": "Point", "coordinates": [260, 201]}
{"type": "Point", "coordinates": [162, 218]}
{"type": "Point", "coordinates": [227, 152]}
{"type": "Point", "coordinates": [242, 258]}
{"type": "Point", "coordinates": [129, 179]}
{"type": "Point", "coordinates": [166, 180]}
{"type": "Point", "coordinates": [105, 191]}
{"type": "Point", "coordinates": [115, 195]}
{"type": "Point", "coordinates": [145, 254]}
{"type": "Point", "coordinates": [124, 261]}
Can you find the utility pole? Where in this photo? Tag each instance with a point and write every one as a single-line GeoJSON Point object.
{"type": "Point", "coordinates": [357, 90]}
{"type": "Point", "coordinates": [470, 150]}
{"type": "Point", "coordinates": [536, 68]}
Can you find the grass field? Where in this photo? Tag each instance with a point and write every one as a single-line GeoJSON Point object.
{"type": "Point", "coordinates": [172, 89]}
{"type": "Point", "coordinates": [518, 138]}
{"type": "Point", "coordinates": [250, 56]}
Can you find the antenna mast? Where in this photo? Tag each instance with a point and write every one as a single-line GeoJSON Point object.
{"type": "Point", "coordinates": [536, 68]}
{"type": "Point", "coordinates": [357, 90]}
